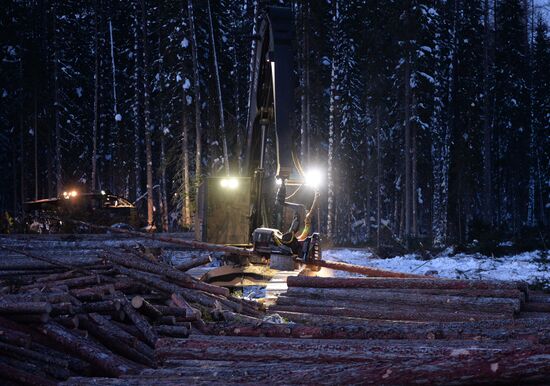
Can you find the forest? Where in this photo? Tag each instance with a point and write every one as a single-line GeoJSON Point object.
{"type": "Point", "coordinates": [430, 117]}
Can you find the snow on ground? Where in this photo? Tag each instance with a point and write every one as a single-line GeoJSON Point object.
{"type": "Point", "coordinates": [528, 266]}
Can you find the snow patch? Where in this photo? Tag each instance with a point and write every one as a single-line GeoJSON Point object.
{"type": "Point", "coordinates": [527, 266]}
{"type": "Point", "coordinates": [118, 117]}
{"type": "Point", "coordinates": [185, 43]}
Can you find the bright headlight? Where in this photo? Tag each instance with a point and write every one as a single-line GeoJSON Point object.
{"type": "Point", "coordinates": [229, 183]}
{"type": "Point", "coordinates": [314, 178]}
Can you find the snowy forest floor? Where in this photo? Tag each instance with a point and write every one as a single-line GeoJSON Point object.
{"type": "Point", "coordinates": [532, 267]}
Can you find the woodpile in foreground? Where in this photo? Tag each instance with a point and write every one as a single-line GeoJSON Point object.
{"type": "Point", "coordinates": [102, 317]}
{"type": "Point", "coordinates": [117, 316]}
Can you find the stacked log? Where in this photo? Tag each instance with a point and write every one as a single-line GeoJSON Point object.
{"type": "Point", "coordinates": [420, 299]}
{"type": "Point", "coordinates": [100, 315]}
{"type": "Point", "coordinates": [381, 364]}
{"type": "Point", "coordinates": [207, 360]}
{"type": "Point", "coordinates": [122, 317]}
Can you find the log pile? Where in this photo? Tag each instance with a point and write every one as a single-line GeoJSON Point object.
{"type": "Point", "coordinates": [120, 317]}
{"type": "Point", "coordinates": [100, 315]}
{"type": "Point", "coordinates": [251, 360]}
{"type": "Point", "coordinates": [419, 299]}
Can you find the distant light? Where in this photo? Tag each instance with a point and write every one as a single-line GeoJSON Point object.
{"type": "Point", "coordinates": [314, 178]}
{"type": "Point", "coordinates": [66, 195]}
{"type": "Point", "coordinates": [229, 183]}
{"type": "Point", "coordinates": [74, 193]}
{"type": "Point", "coordinates": [103, 192]}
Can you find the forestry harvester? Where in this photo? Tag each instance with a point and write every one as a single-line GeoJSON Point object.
{"type": "Point", "coordinates": [254, 211]}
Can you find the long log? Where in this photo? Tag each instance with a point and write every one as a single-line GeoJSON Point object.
{"type": "Point", "coordinates": [386, 283]}
{"type": "Point", "coordinates": [540, 297]}
{"type": "Point", "coordinates": [199, 297]}
{"type": "Point", "coordinates": [55, 297]}
{"type": "Point", "coordinates": [389, 300]}
{"type": "Point", "coordinates": [321, 351]}
{"type": "Point", "coordinates": [181, 278]}
{"type": "Point", "coordinates": [195, 262]}
{"type": "Point", "coordinates": [464, 367]}
{"type": "Point", "coordinates": [71, 283]}
{"type": "Point", "coordinates": [392, 314]}
{"type": "Point", "coordinates": [364, 270]}
{"type": "Point", "coordinates": [380, 293]}
{"type": "Point", "coordinates": [187, 243]}
{"type": "Point", "coordinates": [7, 307]}
{"type": "Point", "coordinates": [11, 350]}
{"type": "Point", "coordinates": [537, 307]}
{"type": "Point", "coordinates": [179, 313]}
{"type": "Point", "coordinates": [173, 331]}
{"type": "Point", "coordinates": [22, 377]}
{"type": "Point", "coordinates": [48, 260]}
{"type": "Point", "coordinates": [180, 302]}
{"type": "Point", "coordinates": [140, 322]}
{"type": "Point", "coordinates": [64, 308]}
{"type": "Point", "coordinates": [101, 306]}
{"type": "Point", "coordinates": [166, 320]}
{"type": "Point", "coordinates": [130, 339]}
{"type": "Point", "coordinates": [30, 318]}
{"type": "Point", "coordinates": [59, 276]}
{"type": "Point", "coordinates": [493, 330]}
{"type": "Point", "coordinates": [14, 337]}
{"type": "Point", "coordinates": [112, 341]}
{"type": "Point", "coordinates": [103, 359]}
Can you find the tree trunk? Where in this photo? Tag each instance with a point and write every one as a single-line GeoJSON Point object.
{"type": "Point", "coordinates": [186, 203]}
{"type": "Point", "coordinates": [163, 193]}
{"type": "Point", "coordinates": [332, 139]}
{"type": "Point", "coordinates": [116, 117]}
{"type": "Point", "coordinates": [147, 116]}
{"type": "Point", "coordinates": [407, 150]}
{"type": "Point", "coordinates": [35, 145]}
{"type": "Point", "coordinates": [136, 107]}
{"type": "Point", "coordinates": [378, 178]}
{"type": "Point", "coordinates": [219, 91]}
{"type": "Point", "coordinates": [198, 125]}
{"type": "Point", "coordinates": [96, 97]}
{"type": "Point", "coordinates": [57, 106]}
{"type": "Point", "coordinates": [487, 172]}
